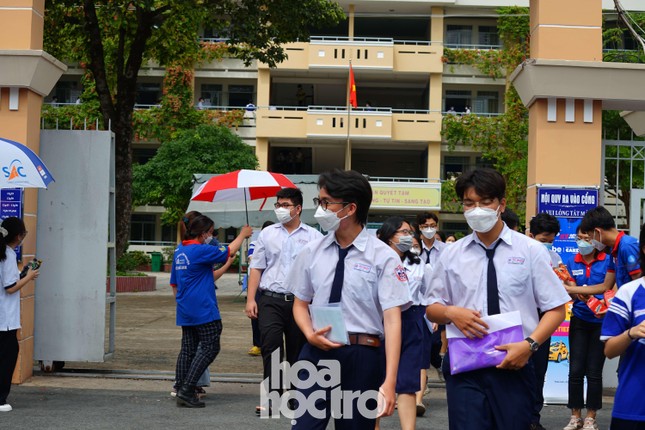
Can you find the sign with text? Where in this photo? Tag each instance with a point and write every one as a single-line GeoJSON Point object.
{"type": "Point", "coordinates": [11, 205]}
{"type": "Point", "coordinates": [566, 202]}
{"type": "Point", "coordinates": [426, 196]}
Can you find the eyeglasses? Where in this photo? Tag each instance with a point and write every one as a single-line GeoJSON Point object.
{"type": "Point", "coordinates": [282, 205]}
{"type": "Point", "coordinates": [483, 203]}
{"type": "Point", "coordinates": [324, 203]}
{"type": "Point", "coordinates": [424, 226]}
{"type": "Point", "coordinates": [406, 232]}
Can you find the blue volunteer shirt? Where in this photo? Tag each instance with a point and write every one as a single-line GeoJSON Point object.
{"type": "Point", "coordinates": [192, 274]}
{"type": "Point", "coordinates": [587, 274]}
{"type": "Point", "coordinates": [628, 310]}
{"type": "Point", "coordinates": [624, 259]}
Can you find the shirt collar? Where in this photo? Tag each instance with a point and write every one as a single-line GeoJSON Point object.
{"type": "Point", "coordinates": [599, 257]}
{"type": "Point", "coordinates": [190, 242]}
{"type": "Point", "coordinates": [434, 245]}
{"type": "Point", "coordinates": [506, 235]}
{"type": "Point", "coordinates": [614, 250]}
{"type": "Point", "coordinates": [301, 225]}
{"type": "Point", "coordinates": [360, 242]}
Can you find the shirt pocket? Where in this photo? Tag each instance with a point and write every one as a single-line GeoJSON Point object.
{"type": "Point", "coordinates": [513, 279]}
{"type": "Point", "coordinates": [360, 285]}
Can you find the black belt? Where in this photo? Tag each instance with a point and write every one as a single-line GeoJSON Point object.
{"type": "Point", "coordinates": [285, 297]}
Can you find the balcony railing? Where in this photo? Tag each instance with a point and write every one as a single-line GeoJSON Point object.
{"type": "Point", "coordinates": [471, 46]}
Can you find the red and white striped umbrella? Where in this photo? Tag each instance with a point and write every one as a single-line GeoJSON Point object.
{"type": "Point", "coordinates": [242, 185]}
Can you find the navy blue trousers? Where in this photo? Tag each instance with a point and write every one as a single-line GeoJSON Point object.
{"type": "Point", "coordinates": [489, 399]}
{"type": "Point", "coordinates": [362, 369]}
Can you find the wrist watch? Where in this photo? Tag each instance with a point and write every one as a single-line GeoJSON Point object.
{"type": "Point", "coordinates": [533, 345]}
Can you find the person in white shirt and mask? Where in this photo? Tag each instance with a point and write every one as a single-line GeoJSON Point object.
{"type": "Point", "coordinates": [494, 270]}
{"type": "Point", "coordinates": [275, 250]}
{"type": "Point", "coordinates": [428, 226]}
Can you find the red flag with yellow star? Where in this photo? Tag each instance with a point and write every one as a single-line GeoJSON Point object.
{"type": "Point", "coordinates": [352, 88]}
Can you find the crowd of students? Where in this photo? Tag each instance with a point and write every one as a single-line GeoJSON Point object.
{"type": "Point", "coordinates": [396, 289]}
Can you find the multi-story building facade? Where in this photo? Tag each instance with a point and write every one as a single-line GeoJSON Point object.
{"type": "Point", "coordinates": [302, 123]}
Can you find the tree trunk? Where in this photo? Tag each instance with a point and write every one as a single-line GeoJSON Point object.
{"type": "Point", "coordinates": [123, 159]}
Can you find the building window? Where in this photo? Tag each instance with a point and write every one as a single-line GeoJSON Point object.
{"type": "Point", "coordinates": [454, 166]}
{"type": "Point", "coordinates": [455, 227]}
{"type": "Point", "coordinates": [486, 102]}
{"type": "Point", "coordinates": [459, 35]}
{"type": "Point", "coordinates": [483, 162]}
{"type": "Point", "coordinates": [212, 94]}
{"type": "Point", "coordinates": [148, 94]}
{"type": "Point", "coordinates": [457, 100]}
{"type": "Point", "coordinates": [142, 155]}
{"type": "Point", "coordinates": [240, 95]}
{"type": "Point", "coordinates": [169, 233]}
{"type": "Point", "coordinates": [142, 228]}
{"type": "Point", "coordinates": [488, 36]}
{"type": "Point", "coordinates": [291, 160]}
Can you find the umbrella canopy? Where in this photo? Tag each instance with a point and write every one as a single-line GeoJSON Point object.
{"type": "Point", "coordinates": [241, 185]}
{"type": "Point", "coordinates": [20, 167]}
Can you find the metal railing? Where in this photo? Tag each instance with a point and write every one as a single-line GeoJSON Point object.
{"type": "Point", "coordinates": [352, 40]}
{"type": "Point", "coordinates": [404, 180]}
{"type": "Point", "coordinates": [471, 46]}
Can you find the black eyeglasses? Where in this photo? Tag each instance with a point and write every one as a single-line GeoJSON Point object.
{"type": "Point", "coordinates": [282, 205]}
{"type": "Point", "coordinates": [324, 203]}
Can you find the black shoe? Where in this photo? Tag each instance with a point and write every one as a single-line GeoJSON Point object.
{"type": "Point", "coordinates": [186, 397]}
{"type": "Point", "coordinates": [536, 426]}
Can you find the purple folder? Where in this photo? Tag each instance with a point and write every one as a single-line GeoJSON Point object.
{"type": "Point", "coordinates": [471, 354]}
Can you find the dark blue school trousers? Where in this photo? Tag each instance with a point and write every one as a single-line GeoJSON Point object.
{"type": "Point", "coordinates": [489, 399]}
{"type": "Point", "coordinates": [362, 368]}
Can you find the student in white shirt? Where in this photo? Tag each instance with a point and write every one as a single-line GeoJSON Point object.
{"type": "Point", "coordinates": [463, 290]}
{"type": "Point", "coordinates": [12, 233]}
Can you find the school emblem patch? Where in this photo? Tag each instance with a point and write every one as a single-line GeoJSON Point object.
{"type": "Point", "coordinates": [399, 272]}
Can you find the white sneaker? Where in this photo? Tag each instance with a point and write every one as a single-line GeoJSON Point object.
{"type": "Point", "coordinates": [5, 408]}
{"type": "Point", "coordinates": [590, 424]}
{"type": "Point", "coordinates": [575, 423]}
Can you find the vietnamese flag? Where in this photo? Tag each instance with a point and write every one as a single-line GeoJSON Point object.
{"type": "Point", "coordinates": [352, 88]}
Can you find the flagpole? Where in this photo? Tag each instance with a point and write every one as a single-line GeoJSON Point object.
{"type": "Point", "coordinates": [348, 145]}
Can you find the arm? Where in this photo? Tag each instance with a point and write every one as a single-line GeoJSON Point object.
{"type": "Point", "coordinates": [610, 280]}
{"type": "Point", "coordinates": [252, 289]}
{"type": "Point", "coordinates": [219, 272]}
{"type": "Point", "coordinates": [616, 345]}
{"type": "Point", "coordinates": [314, 337]}
{"type": "Point", "coordinates": [392, 326]}
{"type": "Point", "coordinates": [235, 246]}
{"type": "Point", "coordinates": [31, 274]}
{"type": "Point", "coordinates": [518, 353]}
{"type": "Point", "coordinates": [469, 322]}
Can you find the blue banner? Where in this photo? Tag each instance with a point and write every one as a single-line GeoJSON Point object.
{"type": "Point", "coordinates": [566, 202]}
{"type": "Point", "coordinates": [11, 205]}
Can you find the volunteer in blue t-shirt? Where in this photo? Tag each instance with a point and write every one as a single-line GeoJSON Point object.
{"type": "Point", "coordinates": [623, 331]}
{"type": "Point", "coordinates": [197, 310]}
{"type": "Point", "coordinates": [586, 356]}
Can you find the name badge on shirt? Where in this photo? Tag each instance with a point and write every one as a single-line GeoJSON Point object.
{"type": "Point", "coordinates": [516, 260]}
{"type": "Point", "coordinates": [362, 267]}
{"type": "Point", "coordinates": [578, 272]}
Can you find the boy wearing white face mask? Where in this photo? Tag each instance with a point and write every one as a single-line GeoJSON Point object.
{"type": "Point", "coordinates": [275, 250]}
{"type": "Point", "coordinates": [624, 266]}
{"type": "Point", "coordinates": [494, 270]}
{"type": "Point", "coordinates": [427, 225]}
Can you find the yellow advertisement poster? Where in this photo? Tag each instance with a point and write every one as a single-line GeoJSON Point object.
{"type": "Point", "coordinates": [406, 196]}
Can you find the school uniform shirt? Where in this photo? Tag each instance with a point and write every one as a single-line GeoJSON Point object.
{"type": "Point", "coordinates": [431, 255]}
{"type": "Point", "coordinates": [374, 280]}
{"type": "Point", "coordinates": [525, 279]}
{"type": "Point", "coordinates": [418, 279]}
{"type": "Point", "coordinates": [628, 310]}
{"type": "Point", "coordinates": [624, 258]}
{"type": "Point", "coordinates": [192, 274]}
{"type": "Point", "coordinates": [275, 251]}
{"type": "Point", "coordinates": [587, 274]}
{"type": "Point", "coordinates": [9, 303]}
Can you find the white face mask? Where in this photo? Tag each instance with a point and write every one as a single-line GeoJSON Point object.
{"type": "Point", "coordinates": [405, 243]}
{"type": "Point", "coordinates": [482, 220]}
{"type": "Point", "coordinates": [327, 219]}
{"type": "Point", "coordinates": [283, 215]}
{"type": "Point", "coordinates": [584, 247]}
{"type": "Point", "coordinates": [597, 243]}
{"type": "Point", "coordinates": [429, 232]}
{"type": "Point", "coordinates": [208, 240]}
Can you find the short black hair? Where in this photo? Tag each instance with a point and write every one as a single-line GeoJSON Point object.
{"type": "Point", "coordinates": [350, 186]}
{"type": "Point", "coordinates": [266, 224]}
{"type": "Point", "coordinates": [510, 218]}
{"type": "Point", "coordinates": [544, 223]}
{"type": "Point", "coordinates": [488, 183]}
{"type": "Point", "coordinates": [293, 194]}
{"type": "Point", "coordinates": [442, 235]}
{"type": "Point", "coordinates": [422, 217]}
{"type": "Point", "coordinates": [199, 225]}
{"type": "Point", "coordinates": [598, 217]}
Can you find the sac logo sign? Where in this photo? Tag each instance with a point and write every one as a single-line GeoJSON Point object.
{"type": "Point", "coordinates": [14, 170]}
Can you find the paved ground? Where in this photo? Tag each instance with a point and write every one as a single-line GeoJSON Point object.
{"type": "Point", "coordinates": [132, 389]}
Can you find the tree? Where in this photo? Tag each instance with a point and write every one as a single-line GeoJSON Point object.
{"type": "Point", "coordinates": [112, 39]}
{"type": "Point", "coordinates": [167, 178]}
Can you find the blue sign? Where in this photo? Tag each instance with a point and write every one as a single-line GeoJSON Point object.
{"type": "Point", "coordinates": [11, 205]}
{"type": "Point", "coordinates": [566, 202]}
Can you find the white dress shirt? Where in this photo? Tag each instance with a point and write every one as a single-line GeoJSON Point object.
{"type": "Point", "coordinates": [431, 255]}
{"type": "Point", "coordinates": [525, 278]}
{"type": "Point", "coordinates": [374, 280]}
{"type": "Point", "coordinates": [9, 303]}
{"type": "Point", "coordinates": [418, 280]}
{"type": "Point", "coordinates": [275, 251]}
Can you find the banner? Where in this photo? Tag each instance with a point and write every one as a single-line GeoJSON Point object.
{"type": "Point", "coordinates": [11, 205]}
